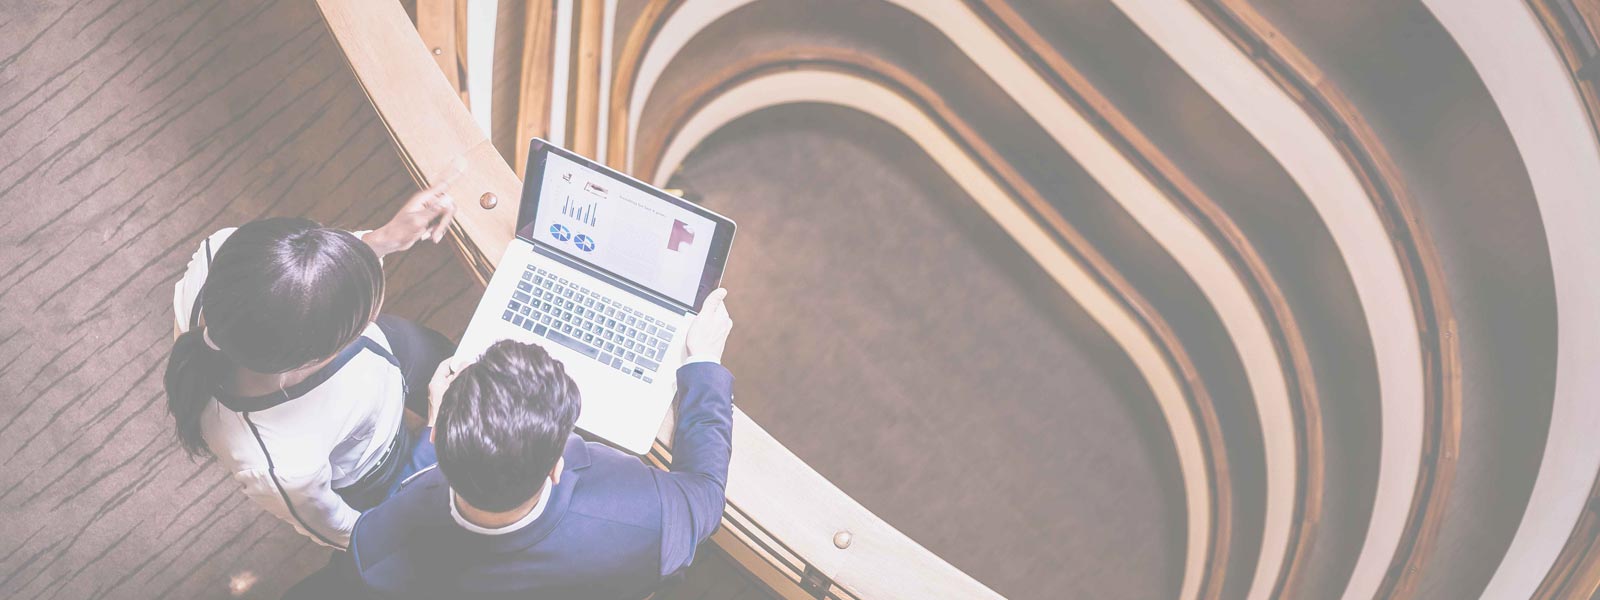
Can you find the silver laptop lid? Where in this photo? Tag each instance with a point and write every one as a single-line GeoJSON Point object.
{"type": "Point", "coordinates": [621, 229]}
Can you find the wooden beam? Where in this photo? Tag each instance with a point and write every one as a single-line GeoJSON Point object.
{"type": "Point", "coordinates": [533, 105]}
{"type": "Point", "coordinates": [628, 61]}
{"type": "Point", "coordinates": [1244, 258]}
{"type": "Point", "coordinates": [1380, 180]}
{"type": "Point", "coordinates": [460, 22]}
{"type": "Point", "coordinates": [436, 25]}
{"type": "Point", "coordinates": [1576, 570]}
{"type": "Point", "coordinates": [584, 101]}
{"type": "Point", "coordinates": [741, 551]}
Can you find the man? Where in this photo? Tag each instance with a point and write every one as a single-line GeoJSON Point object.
{"type": "Point", "coordinates": [520, 507]}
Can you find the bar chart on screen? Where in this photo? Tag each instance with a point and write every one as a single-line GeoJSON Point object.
{"type": "Point", "coordinates": [584, 214]}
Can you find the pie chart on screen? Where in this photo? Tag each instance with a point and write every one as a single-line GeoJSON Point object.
{"type": "Point", "coordinates": [561, 233]}
{"type": "Point", "coordinates": [584, 243]}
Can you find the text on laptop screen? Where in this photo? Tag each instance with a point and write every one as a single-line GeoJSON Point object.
{"type": "Point", "coordinates": [612, 225]}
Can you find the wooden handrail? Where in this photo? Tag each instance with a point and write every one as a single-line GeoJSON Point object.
{"type": "Point", "coordinates": [1320, 98]}
{"type": "Point", "coordinates": [768, 485]}
{"type": "Point", "coordinates": [585, 104]}
{"type": "Point", "coordinates": [628, 62]}
{"type": "Point", "coordinates": [436, 25]}
{"type": "Point", "coordinates": [1520, 65]}
{"type": "Point", "coordinates": [1574, 27]}
{"type": "Point", "coordinates": [1290, 341]}
{"type": "Point", "coordinates": [533, 96]}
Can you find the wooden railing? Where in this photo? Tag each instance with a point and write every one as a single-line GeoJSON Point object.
{"type": "Point", "coordinates": [1241, 253]}
{"type": "Point", "coordinates": [1574, 27]}
{"type": "Point", "coordinates": [1343, 123]}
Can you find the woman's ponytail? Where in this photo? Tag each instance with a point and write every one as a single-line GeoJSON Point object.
{"type": "Point", "coordinates": [191, 383]}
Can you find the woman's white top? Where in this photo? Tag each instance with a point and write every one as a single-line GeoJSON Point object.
{"type": "Point", "coordinates": [290, 457]}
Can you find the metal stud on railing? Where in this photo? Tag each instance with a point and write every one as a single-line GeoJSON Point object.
{"type": "Point", "coordinates": [841, 540]}
{"type": "Point", "coordinates": [488, 200]}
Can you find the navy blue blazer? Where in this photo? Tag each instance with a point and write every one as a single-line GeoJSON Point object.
{"type": "Point", "coordinates": [613, 528]}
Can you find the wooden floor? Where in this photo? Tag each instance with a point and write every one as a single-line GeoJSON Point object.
{"type": "Point", "coordinates": [128, 130]}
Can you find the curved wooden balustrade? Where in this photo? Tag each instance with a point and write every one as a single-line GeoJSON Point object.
{"type": "Point", "coordinates": [1410, 367]}
{"type": "Point", "coordinates": [1242, 254]}
{"type": "Point", "coordinates": [1574, 26]}
{"type": "Point", "coordinates": [1361, 148]}
{"type": "Point", "coordinates": [1344, 124]}
{"type": "Point", "coordinates": [1545, 113]}
{"type": "Point", "coordinates": [1155, 94]}
{"type": "Point", "coordinates": [1501, 47]}
{"type": "Point", "coordinates": [1306, 122]}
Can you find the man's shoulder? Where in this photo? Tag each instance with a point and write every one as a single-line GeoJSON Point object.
{"type": "Point", "coordinates": [616, 487]}
{"type": "Point", "coordinates": [383, 532]}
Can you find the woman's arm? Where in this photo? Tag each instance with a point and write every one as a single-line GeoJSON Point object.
{"type": "Point", "coordinates": [426, 215]}
{"type": "Point", "coordinates": [305, 500]}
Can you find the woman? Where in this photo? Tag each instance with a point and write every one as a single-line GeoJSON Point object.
{"type": "Point", "coordinates": [287, 375]}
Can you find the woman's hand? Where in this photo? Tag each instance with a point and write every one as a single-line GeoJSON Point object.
{"type": "Point", "coordinates": [426, 215]}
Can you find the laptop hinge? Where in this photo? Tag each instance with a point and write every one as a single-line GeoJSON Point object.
{"type": "Point", "coordinates": [815, 583]}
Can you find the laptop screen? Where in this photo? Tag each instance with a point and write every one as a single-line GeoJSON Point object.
{"type": "Point", "coordinates": [613, 224]}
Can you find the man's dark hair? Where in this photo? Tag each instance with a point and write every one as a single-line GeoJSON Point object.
{"type": "Point", "coordinates": [503, 424]}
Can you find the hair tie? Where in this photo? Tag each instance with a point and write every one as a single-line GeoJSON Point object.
{"type": "Point", "coordinates": [205, 334]}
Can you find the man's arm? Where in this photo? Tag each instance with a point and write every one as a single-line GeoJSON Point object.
{"type": "Point", "coordinates": [692, 493]}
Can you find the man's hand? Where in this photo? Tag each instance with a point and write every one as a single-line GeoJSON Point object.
{"type": "Point", "coordinates": [442, 377]}
{"type": "Point", "coordinates": [426, 215]}
{"type": "Point", "coordinates": [709, 331]}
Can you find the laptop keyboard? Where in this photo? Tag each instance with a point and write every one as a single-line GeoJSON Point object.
{"type": "Point", "coordinates": [574, 316]}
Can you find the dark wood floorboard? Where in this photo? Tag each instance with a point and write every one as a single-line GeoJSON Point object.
{"type": "Point", "coordinates": [128, 130]}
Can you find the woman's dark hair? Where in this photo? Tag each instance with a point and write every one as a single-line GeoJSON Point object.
{"type": "Point", "coordinates": [280, 294]}
{"type": "Point", "coordinates": [503, 424]}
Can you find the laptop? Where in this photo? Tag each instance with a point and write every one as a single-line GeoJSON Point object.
{"type": "Point", "coordinates": [605, 273]}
